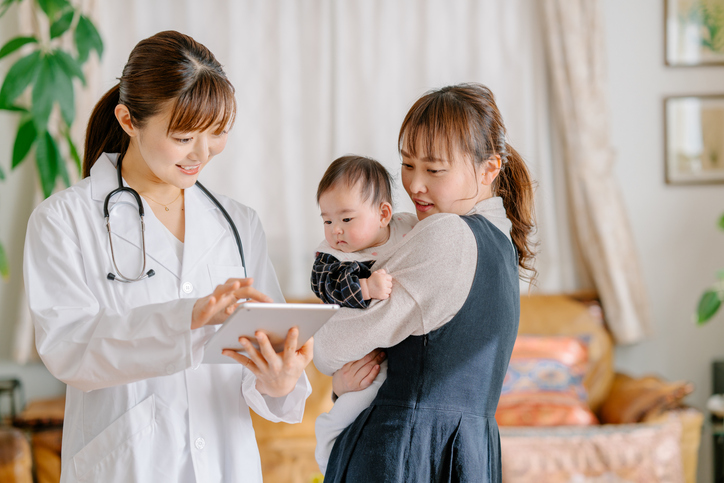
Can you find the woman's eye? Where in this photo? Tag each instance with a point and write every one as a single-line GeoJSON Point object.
{"type": "Point", "coordinates": [183, 140]}
{"type": "Point", "coordinates": [327, 222]}
{"type": "Point", "coordinates": [346, 220]}
{"type": "Point", "coordinates": [405, 165]}
{"type": "Point", "coordinates": [435, 171]}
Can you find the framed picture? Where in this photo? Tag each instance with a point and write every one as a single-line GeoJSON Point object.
{"type": "Point", "coordinates": [694, 32]}
{"type": "Point", "coordinates": [694, 134]}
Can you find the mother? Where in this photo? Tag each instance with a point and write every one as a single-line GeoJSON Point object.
{"type": "Point", "coordinates": [451, 321]}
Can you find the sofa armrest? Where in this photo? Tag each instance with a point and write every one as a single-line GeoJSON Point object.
{"type": "Point", "coordinates": [691, 424]}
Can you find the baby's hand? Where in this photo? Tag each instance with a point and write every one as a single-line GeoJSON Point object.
{"type": "Point", "coordinates": [379, 285]}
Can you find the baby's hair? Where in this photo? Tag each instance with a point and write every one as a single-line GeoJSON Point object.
{"type": "Point", "coordinates": [375, 181]}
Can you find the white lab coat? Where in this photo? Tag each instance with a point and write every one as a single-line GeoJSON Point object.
{"type": "Point", "coordinates": [139, 405]}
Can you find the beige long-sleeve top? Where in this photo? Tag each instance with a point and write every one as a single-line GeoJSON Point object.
{"type": "Point", "coordinates": [432, 270]}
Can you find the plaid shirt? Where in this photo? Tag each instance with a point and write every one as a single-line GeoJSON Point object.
{"type": "Point", "coordinates": [336, 282]}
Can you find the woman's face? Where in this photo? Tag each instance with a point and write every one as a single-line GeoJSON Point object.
{"type": "Point", "coordinates": [175, 158]}
{"type": "Point", "coordinates": [439, 185]}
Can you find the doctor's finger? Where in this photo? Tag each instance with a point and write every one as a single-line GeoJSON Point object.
{"type": "Point", "coordinates": [243, 360]}
{"type": "Point", "coordinates": [267, 351]}
{"type": "Point", "coordinates": [252, 353]}
{"type": "Point", "coordinates": [290, 343]}
{"type": "Point", "coordinates": [307, 351]}
{"type": "Point", "coordinates": [253, 294]}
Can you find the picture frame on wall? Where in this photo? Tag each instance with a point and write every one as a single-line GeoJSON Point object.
{"type": "Point", "coordinates": [694, 138]}
{"type": "Point", "coordinates": [694, 31]}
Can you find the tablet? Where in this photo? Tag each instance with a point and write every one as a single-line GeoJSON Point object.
{"type": "Point", "coordinates": [274, 319]}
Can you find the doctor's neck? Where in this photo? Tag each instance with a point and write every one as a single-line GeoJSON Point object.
{"type": "Point", "coordinates": [139, 176]}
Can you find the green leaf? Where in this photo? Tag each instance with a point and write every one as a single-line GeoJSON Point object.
{"type": "Point", "coordinates": [24, 141]}
{"type": "Point", "coordinates": [62, 25]}
{"type": "Point", "coordinates": [43, 95]}
{"type": "Point", "coordinates": [14, 44]}
{"type": "Point", "coordinates": [74, 154]}
{"type": "Point", "coordinates": [69, 64]}
{"type": "Point", "coordinates": [708, 306]}
{"type": "Point", "coordinates": [63, 170]}
{"type": "Point", "coordinates": [87, 39]}
{"type": "Point", "coordinates": [2, 174]}
{"type": "Point", "coordinates": [63, 90]}
{"type": "Point", "coordinates": [4, 267]}
{"type": "Point", "coordinates": [721, 222]}
{"type": "Point", "coordinates": [19, 77]}
{"type": "Point", "coordinates": [14, 109]}
{"type": "Point", "coordinates": [52, 7]}
{"type": "Point", "coordinates": [46, 158]}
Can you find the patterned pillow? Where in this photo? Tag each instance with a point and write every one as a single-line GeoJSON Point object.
{"type": "Point", "coordinates": [544, 383]}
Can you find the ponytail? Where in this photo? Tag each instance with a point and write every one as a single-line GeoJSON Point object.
{"type": "Point", "coordinates": [104, 133]}
{"type": "Point", "coordinates": [515, 186]}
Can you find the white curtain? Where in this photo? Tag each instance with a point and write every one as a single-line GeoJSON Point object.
{"type": "Point", "coordinates": [316, 79]}
{"type": "Point", "coordinates": [577, 62]}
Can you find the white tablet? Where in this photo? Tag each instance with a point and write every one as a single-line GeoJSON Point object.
{"type": "Point", "coordinates": [274, 319]}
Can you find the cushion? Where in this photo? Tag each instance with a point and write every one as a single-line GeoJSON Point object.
{"type": "Point", "coordinates": [637, 399]}
{"type": "Point", "coordinates": [544, 383]}
{"type": "Point", "coordinates": [560, 315]}
{"type": "Point", "coordinates": [641, 452]}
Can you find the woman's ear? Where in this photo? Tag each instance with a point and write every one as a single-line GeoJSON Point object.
{"type": "Point", "coordinates": [490, 169]}
{"type": "Point", "coordinates": [124, 119]}
{"type": "Point", "coordinates": [385, 214]}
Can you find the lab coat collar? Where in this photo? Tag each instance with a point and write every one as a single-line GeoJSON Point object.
{"type": "Point", "coordinates": [202, 229]}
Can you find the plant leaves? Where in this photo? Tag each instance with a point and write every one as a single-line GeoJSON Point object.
{"type": "Point", "coordinates": [721, 222]}
{"type": "Point", "coordinates": [708, 306]}
{"type": "Point", "coordinates": [74, 154]}
{"type": "Point", "coordinates": [24, 141]}
{"type": "Point", "coordinates": [4, 267]}
{"type": "Point", "coordinates": [46, 158]}
{"type": "Point", "coordinates": [63, 90]}
{"type": "Point", "coordinates": [14, 44]}
{"type": "Point", "coordinates": [87, 38]}
{"type": "Point", "coordinates": [19, 77]}
{"type": "Point", "coordinates": [53, 7]}
{"type": "Point", "coordinates": [2, 174]}
{"type": "Point", "coordinates": [69, 64]}
{"type": "Point", "coordinates": [62, 25]}
{"type": "Point", "coordinates": [43, 97]}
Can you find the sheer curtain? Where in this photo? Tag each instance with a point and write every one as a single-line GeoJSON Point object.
{"type": "Point", "coordinates": [316, 79]}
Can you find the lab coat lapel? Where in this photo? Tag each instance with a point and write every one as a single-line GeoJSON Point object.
{"type": "Point", "coordinates": [125, 222]}
{"type": "Point", "coordinates": [203, 228]}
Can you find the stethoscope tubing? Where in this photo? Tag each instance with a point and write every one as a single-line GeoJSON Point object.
{"type": "Point", "coordinates": [143, 275]}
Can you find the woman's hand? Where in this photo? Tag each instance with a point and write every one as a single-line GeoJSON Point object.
{"type": "Point", "coordinates": [358, 375]}
{"type": "Point", "coordinates": [215, 308]}
{"type": "Point", "coordinates": [276, 373]}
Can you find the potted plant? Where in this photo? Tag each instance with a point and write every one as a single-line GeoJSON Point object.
{"type": "Point", "coordinates": [40, 87]}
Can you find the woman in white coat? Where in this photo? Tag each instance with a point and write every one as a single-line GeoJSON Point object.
{"type": "Point", "coordinates": [140, 406]}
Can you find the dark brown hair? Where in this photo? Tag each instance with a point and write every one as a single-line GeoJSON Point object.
{"type": "Point", "coordinates": [375, 181]}
{"type": "Point", "coordinates": [168, 69]}
{"type": "Point", "coordinates": [464, 118]}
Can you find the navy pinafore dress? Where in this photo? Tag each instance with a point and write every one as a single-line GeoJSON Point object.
{"type": "Point", "coordinates": [433, 418]}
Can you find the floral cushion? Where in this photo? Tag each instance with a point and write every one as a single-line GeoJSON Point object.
{"type": "Point", "coordinates": [544, 383]}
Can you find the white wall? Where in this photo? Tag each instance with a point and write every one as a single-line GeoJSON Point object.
{"type": "Point", "coordinates": [674, 226]}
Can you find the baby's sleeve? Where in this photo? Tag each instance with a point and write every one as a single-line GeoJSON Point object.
{"type": "Point", "coordinates": [336, 282]}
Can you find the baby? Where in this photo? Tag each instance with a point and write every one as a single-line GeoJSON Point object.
{"type": "Point", "coordinates": [355, 200]}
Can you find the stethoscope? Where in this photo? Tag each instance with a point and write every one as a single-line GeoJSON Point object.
{"type": "Point", "coordinates": [144, 274]}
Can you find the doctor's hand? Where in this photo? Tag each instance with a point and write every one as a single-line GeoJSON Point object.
{"type": "Point", "coordinates": [216, 307]}
{"type": "Point", "coordinates": [276, 373]}
{"type": "Point", "coordinates": [358, 375]}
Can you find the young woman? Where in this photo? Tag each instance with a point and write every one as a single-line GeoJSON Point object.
{"type": "Point", "coordinates": [122, 314]}
{"type": "Point", "coordinates": [450, 323]}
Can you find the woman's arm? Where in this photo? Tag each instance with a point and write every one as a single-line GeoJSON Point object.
{"type": "Point", "coordinates": [433, 272]}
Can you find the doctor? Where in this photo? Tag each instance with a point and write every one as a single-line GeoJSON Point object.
{"type": "Point", "coordinates": [121, 315]}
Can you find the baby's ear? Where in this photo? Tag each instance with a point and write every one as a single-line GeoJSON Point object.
{"type": "Point", "coordinates": [385, 213]}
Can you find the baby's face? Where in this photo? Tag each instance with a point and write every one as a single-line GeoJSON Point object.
{"type": "Point", "coordinates": [351, 224]}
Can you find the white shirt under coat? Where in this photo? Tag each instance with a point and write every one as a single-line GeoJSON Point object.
{"type": "Point", "coordinates": [139, 405]}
